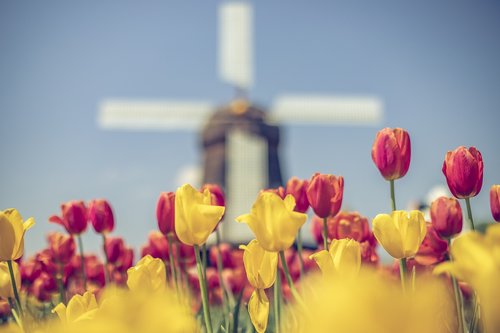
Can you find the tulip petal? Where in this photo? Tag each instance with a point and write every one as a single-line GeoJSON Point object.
{"type": "Point", "coordinates": [258, 309]}
{"type": "Point", "coordinates": [205, 218]}
{"type": "Point", "coordinates": [7, 238]}
{"type": "Point", "coordinates": [289, 202]}
{"type": "Point", "coordinates": [388, 235]}
{"type": "Point", "coordinates": [324, 261]}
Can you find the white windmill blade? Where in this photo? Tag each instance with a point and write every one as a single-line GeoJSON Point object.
{"type": "Point", "coordinates": [236, 44]}
{"type": "Point", "coordinates": [153, 115]}
{"type": "Point", "coordinates": [327, 110]}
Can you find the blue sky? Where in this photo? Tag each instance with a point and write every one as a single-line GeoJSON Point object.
{"type": "Point", "coordinates": [435, 64]}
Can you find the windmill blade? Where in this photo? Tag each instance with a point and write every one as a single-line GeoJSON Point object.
{"type": "Point", "coordinates": [327, 110]}
{"type": "Point", "coordinates": [236, 44]}
{"type": "Point", "coordinates": [153, 115]}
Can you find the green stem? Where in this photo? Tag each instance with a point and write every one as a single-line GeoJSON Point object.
{"type": "Point", "coordinates": [173, 269]}
{"type": "Point", "coordinates": [14, 287]}
{"type": "Point", "coordinates": [294, 291]}
{"type": "Point", "coordinates": [60, 284]}
{"type": "Point", "coordinates": [402, 271]}
{"type": "Point", "coordinates": [393, 196]}
{"type": "Point", "coordinates": [204, 260]}
{"type": "Point", "coordinates": [458, 299]}
{"type": "Point", "coordinates": [276, 290]}
{"type": "Point", "coordinates": [299, 252]}
{"type": "Point", "coordinates": [16, 317]}
{"type": "Point", "coordinates": [203, 289]}
{"type": "Point", "coordinates": [473, 322]}
{"type": "Point", "coordinates": [220, 267]}
{"type": "Point", "coordinates": [325, 233]}
{"type": "Point", "coordinates": [469, 213]}
{"type": "Point", "coordinates": [82, 259]}
{"type": "Point", "coordinates": [106, 260]}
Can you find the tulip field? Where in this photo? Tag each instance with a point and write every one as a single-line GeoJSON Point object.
{"type": "Point", "coordinates": [442, 279]}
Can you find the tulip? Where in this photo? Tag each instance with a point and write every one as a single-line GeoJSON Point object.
{"type": "Point", "coordinates": [260, 265]}
{"type": "Point", "coordinates": [433, 249]}
{"type": "Point", "coordinates": [195, 217]}
{"type": "Point", "coordinates": [149, 273]}
{"type": "Point", "coordinates": [80, 308]}
{"type": "Point", "coordinates": [274, 221]}
{"type": "Point", "coordinates": [463, 169]}
{"type": "Point", "coordinates": [6, 285]}
{"type": "Point", "coordinates": [298, 188]}
{"type": "Point", "coordinates": [343, 258]}
{"type": "Point", "coordinates": [101, 216]}
{"type": "Point", "coordinates": [446, 216]}
{"type": "Point", "coordinates": [12, 229]}
{"type": "Point", "coordinates": [217, 194]}
{"type": "Point", "coordinates": [400, 233]}
{"type": "Point", "coordinates": [44, 287]}
{"type": "Point", "coordinates": [349, 225]}
{"type": "Point", "coordinates": [391, 152]}
{"type": "Point", "coordinates": [279, 191]}
{"type": "Point", "coordinates": [157, 246]}
{"type": "Point", "coordinates": [495, 202]}
{"type": "Point", "coordinates": [126, 259]}
{"type": "Point", "coordinates": [165, 212]}
{"type": "Point", "coordinates": [325, 193]}
{"type": "Point", "coordinates": [114, 247]}
{"type": "Point", "coordinates": [62, 247]}
{"type": "Point", "coordinates": [74, 217]}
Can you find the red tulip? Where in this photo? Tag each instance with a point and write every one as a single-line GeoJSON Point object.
{"type": "Point", "coordinates": [157, 246]}
{"type": "Point", "coordinates": [30, 271]}
{"type": "Point", "coordinates": [463, 169]}
{"type": "Point", "coordinates": [225, 253]}
{"type": "Point", "coordinates": [298, 188]}
{"type": "Point", "coordinates": [218, 197]}
{"type": "Point", "coordinates": [446, 216]}
{"type": "Point", "coordinates": [62, 247]}
{"type": "Point", "coordinates": [349, 225]}
{"type": "Point", "coordinates": [391, 152]}
{"type": "Point", "coordinates": [433, 249]}
{"type": "Point", "coordinates": [495, 202]}
{"type": "Point", "coordinates": [44, 287]}
{"type": "Point", "coordinates": [114, 246]}
{"type": "Point", "coordinates": [101, 216]}
{"type": "Point", "coordinates": [325, 193]}
{"type": "Point", "coordinates": [74, 217]}
{"type": "Point", "coordinates": [126, 260]}
{"type": "Point", "coordinates": [165, 212]}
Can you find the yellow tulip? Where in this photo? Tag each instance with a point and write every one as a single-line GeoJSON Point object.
{"type": "Point", "coordinates": [195, 217]}
{"type": "Point", "coordinates": [148, 274]}
{"type": "Point", "coordinates": [12, 229]}
{"type": "Point", "coordinates": [80, 308]}
{"type": "Point", "coordinates": [258, 309]}
{"type": "Point", "coordinates": [6, 290]}
{"type": "Point", "coordinates": [476, 260]}
{"type": "Point", "coordinates": [343, 258]}
{"type": "Point", "coordinates": [260, 265]}
{"type": "Point", "coordinates": [400, 233]}
{"type": "Point", "coordinates": [273, 221]}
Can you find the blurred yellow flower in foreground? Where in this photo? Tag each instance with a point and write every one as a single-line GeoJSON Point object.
{"type": "Point", "coordinates": [260, 266]}
{"type": "Point", "coordinates": [12, 229]}
{"type": "Point", "coordinates": [400, 233]}
{"type": "Point", "coordinates": [476, 260]}
{"type": "Point", "coordinates": [6, 290]}
{"type": "Point", "coordinates": [148, 275]}
{"type": "Point", "coordinates": [342, 259]}
{"type": "Point", "coordinates": [195, 217]}
{"type": "Point", "coordinates": [370, 302]}
{"type": "Point", "coordinates": [80, 308]}
{"type": "Point", "coordinates": [273, 221]}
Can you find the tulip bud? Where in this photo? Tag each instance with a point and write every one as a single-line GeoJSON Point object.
{"type": "Point", "coordinates": [349, 225]}
{"type": "Point", "coordinates": [165, 212]}
{"type": "Point", "coordinates": [74, 217]}
{"type": "Point", "coordinates": [114, 247]}
{"type": "Point", "coordinates": [391, 152]}
{"type": "Point", "coordinates": [43, 287]}
{"type": "Point", "coordinates": [148, 274]}
{"type": "Point", "coordinates": [298, 188]}
{"type": "Point", "coordinates": [495, 202]}
{"type": "Point", "coordinates": [101, 216]}
{"type": "Point", "coordinates": [157, 246]}
{"type": "Point", "coordinates": [463, 169]}
{"type": "Point", "coordinates": [12, 229]}
{"type": "Point", "coordinates": [446, 216]}
{"type": "Point", "coordinates": [325, 193]}
{"type": "Point", "coordinates": [225, 254]}
{"type": "Point", "coordinates": [126, 259]}
{"type": "Point", "coordinates": [279, 191]}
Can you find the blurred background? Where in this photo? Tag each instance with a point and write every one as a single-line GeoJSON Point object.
{"type": "Point", "coordinates": [434, 66]}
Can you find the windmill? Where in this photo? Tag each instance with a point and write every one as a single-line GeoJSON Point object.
{"type": "Point", "coordinates": [245, 158]}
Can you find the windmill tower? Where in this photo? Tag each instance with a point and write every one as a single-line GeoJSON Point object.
{"type": "Point", "coordinates": [240, 140]}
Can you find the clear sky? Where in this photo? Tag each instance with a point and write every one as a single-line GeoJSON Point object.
{"type": "Point", "coordinates": [436, 65]}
